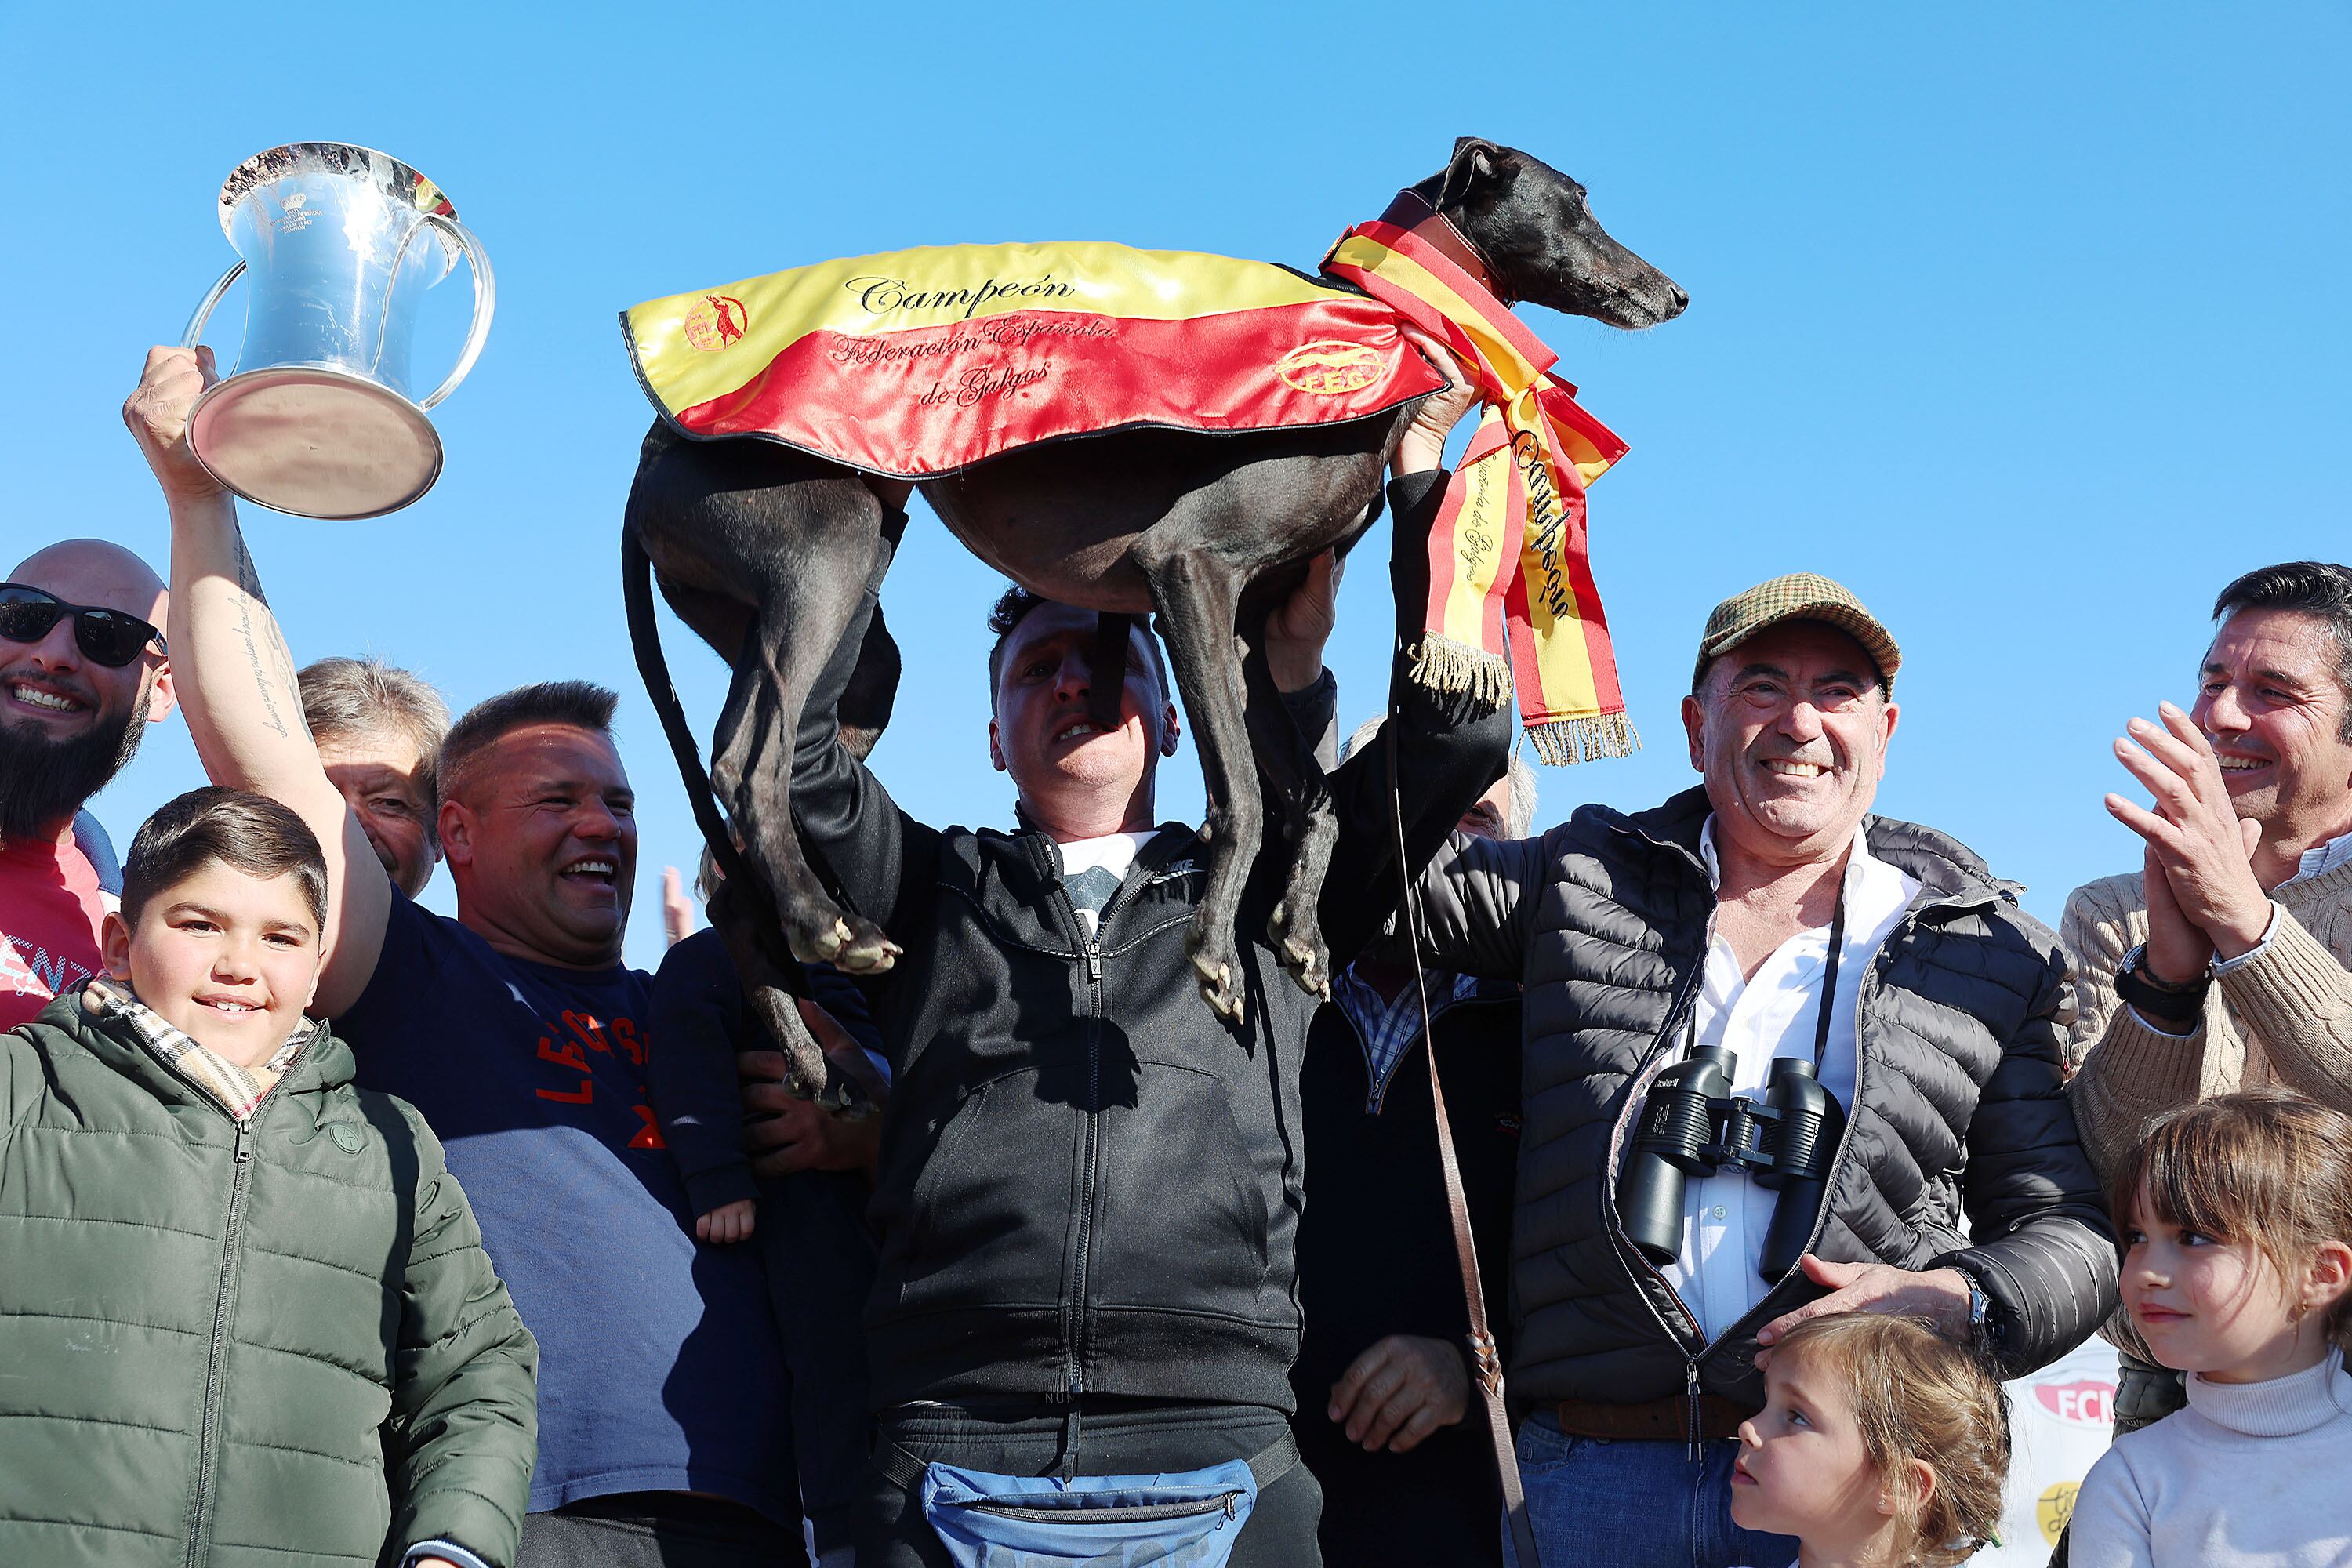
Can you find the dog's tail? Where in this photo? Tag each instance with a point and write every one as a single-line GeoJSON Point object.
{"type": "Point", "coordinates": [653, 668]}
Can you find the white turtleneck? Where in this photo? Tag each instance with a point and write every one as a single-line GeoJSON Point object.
{"type": "Point", "coordinates": [2251, 1475]}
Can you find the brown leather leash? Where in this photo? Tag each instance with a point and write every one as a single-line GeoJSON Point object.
{"type": "Point", "coordinates": [1484, 1356]}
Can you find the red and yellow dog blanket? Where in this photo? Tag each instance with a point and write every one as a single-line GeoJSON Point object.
{"type": "Point", "coordinates": [916, 363]}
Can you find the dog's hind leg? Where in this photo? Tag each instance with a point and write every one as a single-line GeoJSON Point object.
{"type": "Point", "coordinates": [792, 640]}
{"type": "Point", "coordinates": [743, 919]}
{"type": "Point", "coordinates": [738, 914]}
{"type": "Point", "coordinates": [741, 724]}
{"type": "Point", "coordinates": [1197, 594]}
{"type": "Point", "coordinates": [1308, 825]}
{"type": "Point", "coordinates": [791, 540]}
{"type": "Point", "coordinates": [745, 723]}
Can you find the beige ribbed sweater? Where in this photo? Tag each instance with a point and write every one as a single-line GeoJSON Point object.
{"type": "Point", "coordinates": [2285, 1018]}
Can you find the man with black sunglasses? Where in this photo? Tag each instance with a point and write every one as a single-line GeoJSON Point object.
{"type": "Point", "coordinates": [82, 674]}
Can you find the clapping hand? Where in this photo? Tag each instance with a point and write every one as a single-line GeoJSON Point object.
{"type": "Point", "coordinates": [677, 910]}
{"type": "Point", "coordinates": [2202, 896]}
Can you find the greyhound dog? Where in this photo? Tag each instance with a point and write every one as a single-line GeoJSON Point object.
{"type": "Point", "coordinates": [764, 552]}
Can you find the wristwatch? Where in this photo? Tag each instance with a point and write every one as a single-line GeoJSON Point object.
{"type": "Point", "coordinates": [2173, 1004]}
{"type": "Point", "coordinates": [1982, 1331]}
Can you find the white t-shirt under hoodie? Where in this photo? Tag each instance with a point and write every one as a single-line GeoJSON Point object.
{"type": "Point", "coordinates": [2251, 1475]}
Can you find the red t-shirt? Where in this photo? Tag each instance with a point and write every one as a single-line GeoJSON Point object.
{"type": "Point", "coordinates": [52, 911]}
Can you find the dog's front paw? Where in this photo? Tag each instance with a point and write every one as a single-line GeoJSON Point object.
{"type": "Point", "coordinates": [851, 943]}
{"type": "Point", "coordinates": [1310, 965]}
{"type": "Point", "coordinates": [1303, 952]}
{"type": "Point", "coordinates": [844, 1095]}
{"type": "Point", "coordinates": [1217, 989]}
{"type": "Point", "coordinates": [866, 951]}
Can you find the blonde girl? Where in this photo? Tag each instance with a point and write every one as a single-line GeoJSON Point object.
{"type": "Point", "coordinates": [1881, 1444]}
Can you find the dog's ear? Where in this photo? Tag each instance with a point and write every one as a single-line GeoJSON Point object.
{"type": "Point", "coordinates": [1475, 163]}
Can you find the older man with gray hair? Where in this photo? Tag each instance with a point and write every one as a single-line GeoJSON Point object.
{"type": "Point", "coordinates": [1382, 1382]}
{"type": "Point", "coordinates": [379, 730]}
{"type": "Point", "coordinates": [1763, 938]}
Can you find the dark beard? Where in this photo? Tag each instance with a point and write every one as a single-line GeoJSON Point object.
{"type": "Point", "coordinates": [44, 782]}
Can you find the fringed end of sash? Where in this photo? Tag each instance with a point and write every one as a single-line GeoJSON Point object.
{"type": "Point", "coordinates": [1442, 664]}
{"type": "Point", "coordinates": [1562, 742]}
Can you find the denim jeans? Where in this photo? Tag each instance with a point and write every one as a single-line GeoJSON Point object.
{"type": "Point", "coordinates": [1635, 1504]}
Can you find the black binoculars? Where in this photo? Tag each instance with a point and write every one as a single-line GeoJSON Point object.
{"type": "Point", "coordinates": [1693, 1126]}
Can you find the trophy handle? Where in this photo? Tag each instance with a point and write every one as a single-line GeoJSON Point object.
{"type": "Point", "coordinates": [203, 312]}
{"type": "Point", "coordinates": [486, 300]}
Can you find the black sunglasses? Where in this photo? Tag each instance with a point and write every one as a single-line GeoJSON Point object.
{"type": "Point", "coordinates": [108, 637]}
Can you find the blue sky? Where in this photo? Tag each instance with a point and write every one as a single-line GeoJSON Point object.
{"type": "Point", "coordinates": [2027, 322]}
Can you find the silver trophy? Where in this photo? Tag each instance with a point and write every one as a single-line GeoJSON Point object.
{"type": "Point", "coordinates": [319, 419]}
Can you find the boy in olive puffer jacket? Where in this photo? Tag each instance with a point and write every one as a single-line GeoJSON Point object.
{"type": "Point", "coordinates": [245, 1314]}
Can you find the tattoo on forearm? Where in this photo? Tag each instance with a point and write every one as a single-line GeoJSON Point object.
{"type": "Point", "coordinates": [261, 681]}
{"type": "Point", "coordinates": [247, 577]}
{"type": "Point", "coordinates": [271, 661]}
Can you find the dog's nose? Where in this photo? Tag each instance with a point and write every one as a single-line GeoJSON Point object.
{"type": "Point", "coordinates": [1681, 301]}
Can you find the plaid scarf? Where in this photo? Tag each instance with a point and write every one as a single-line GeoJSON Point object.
{"type": "Point", "coordinates": [239, 1090]}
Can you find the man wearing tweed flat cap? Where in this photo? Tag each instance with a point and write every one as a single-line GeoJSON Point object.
{"type": "Point", "coordinates": [1763, 938]}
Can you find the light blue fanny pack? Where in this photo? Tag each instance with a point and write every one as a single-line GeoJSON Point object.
{"type": "Point", "coordinates": [1186, 1518]}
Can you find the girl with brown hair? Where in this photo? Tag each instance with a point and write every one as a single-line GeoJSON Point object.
{"type": "Point", "coordinates": [2237, 1221]}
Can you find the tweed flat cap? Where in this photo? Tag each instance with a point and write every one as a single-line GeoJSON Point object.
{"type": "Point", "coordinates": [1799, 596]}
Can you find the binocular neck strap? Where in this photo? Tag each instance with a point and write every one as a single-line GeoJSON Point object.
{"type": "Point", "coordinates": [1829, 982]}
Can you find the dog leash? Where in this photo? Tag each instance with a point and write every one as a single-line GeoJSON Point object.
{"type": "Point", "coordinates": [1483, 1353]}
{"type": "Point", "coordinates": [1107, 675]}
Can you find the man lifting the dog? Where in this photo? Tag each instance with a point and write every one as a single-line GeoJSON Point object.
{"type": "Point", "coordinates": [1089, 1183]}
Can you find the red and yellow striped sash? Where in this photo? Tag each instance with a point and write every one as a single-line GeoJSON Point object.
{"type": "Point", "coordinates": [1511, 580]}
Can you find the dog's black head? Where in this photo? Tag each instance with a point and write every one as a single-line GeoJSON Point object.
{"type": "Point", "coordinates": [1530, 223]}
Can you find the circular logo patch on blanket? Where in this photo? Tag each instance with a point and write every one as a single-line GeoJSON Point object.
{"type": "Point", "coordinates": [1329, 367]}
{"type": "Point", "coordinates": [715, 322]}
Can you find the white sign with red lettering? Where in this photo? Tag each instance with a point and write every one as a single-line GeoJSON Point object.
{"type": "Point", "coordinates": [2059, 1421]}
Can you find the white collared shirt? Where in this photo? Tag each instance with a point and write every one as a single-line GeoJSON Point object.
{"type": "Point", "coordinates": [1774, 1014]}
{"type": "Point", "coordinates": [2321, 857]}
